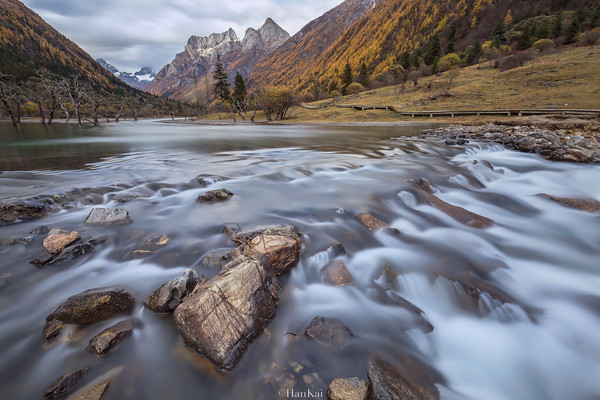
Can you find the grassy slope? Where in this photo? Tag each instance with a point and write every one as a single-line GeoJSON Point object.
{"type": "Point", "coordinates": [569, 76]}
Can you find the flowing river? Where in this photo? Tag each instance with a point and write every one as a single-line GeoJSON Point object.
{"type": "Point", "coordinates": [515, 307]}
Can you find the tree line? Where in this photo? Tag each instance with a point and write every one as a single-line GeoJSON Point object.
{"type": "Point", "coordinates": [49, 96]}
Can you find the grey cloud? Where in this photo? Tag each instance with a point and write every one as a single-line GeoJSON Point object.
{"type": "Point", "coordinates": [133, 33]}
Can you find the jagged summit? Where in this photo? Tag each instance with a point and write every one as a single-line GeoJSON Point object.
{"type": "Point", "coordinates": [176, 79]}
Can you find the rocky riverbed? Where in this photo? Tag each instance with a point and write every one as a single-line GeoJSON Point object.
{"type": "Point", "coordinates": [573, 145]}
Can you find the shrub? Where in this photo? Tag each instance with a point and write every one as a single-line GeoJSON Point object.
{"type": "Point", "coordinates": [414, 77]}
{"type": "Point", "coordinates": [355, 88]}
{"type": "Point", "coordinates": [452, 59]}
{"type": "Point", "coordinates": [514, 61]}
{"type": "Point", "coordinates": [443, 66]}
{"type": "Point", "coordinates": [590, 38]}
{"type": "Point", "coordinates": [275, 101]}
{"type": "Point", "coordinates": [543, 45]}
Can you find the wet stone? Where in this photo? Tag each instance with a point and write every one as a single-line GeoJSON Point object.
{"type": "Point", "coordinates": [288, 231]}
{"type": "Point", "coordinates": [93, 393]}
{"type": "Point", "coordinates": [415, 381]}
{"type": "Point", "coordinates": [150, 246]}
{"type": "Point", "coordinates": [280, 379]}
{"type": "Point", "coordinates": [281, 251]}
{"type": "Point", "coordinates": [216, 258]}
{"type": "Point", "coordinates": [335, 273]}
{"type": "Point", "coordinates": [40, 230]}
{"type": "Point", "coordinates": [75, 251]}
{"type": "Point", "coordinates": [348, 389]}
{"type": "Point", "coordinates": [42, 259]}
{"type": "Point", "coordinates": [587, 205]}
{"type": "Point", "coordinates": [371, 222]}
{"type": "Point", "coordinates": [108, 216]}
{"type": "Point", "coordinates": [224, 314]}
{"type": "Point", "coordinates": [168, 297]}
{"type": "Point", "coordinates": [329, 331]}
{"type": "Point", "coordinates": [16, 240]}
{"type": "Point", "coordinates": [53, 329]}
{"type": "Point", "coordinates": [214, 195]}
{"type": "Point", "coordinates": [55, 243]}
{"type": "Point", "coordinates": [110, 337]}
{"type": "Point", "coordinates": [10, 212]}
{"type": "Point", "coordinates": [65, 383]}
{"type": "Point", "coordinates": [93, 306]}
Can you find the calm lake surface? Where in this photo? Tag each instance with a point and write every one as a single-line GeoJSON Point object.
{"type": "Point", "coordinates": [531, 331]}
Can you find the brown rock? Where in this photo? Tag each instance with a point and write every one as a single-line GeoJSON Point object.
{"type": "Point", "coordinates": [281, 251]}
{"type": "Point", "coordinates": [348, 389]}
{"type": "Point", "coordinates": [329, 331]}
{"type": "Point", "coordinates": [94, 305]}
{"type": "Point", "coordinates": [224, 314]}
{"type": "Point", "coordinates": [458, 213]}
{"type": "Point", "coordinates": [168, 297]}
{"type": "Point", "coordinates": [587, 205]}
{"type": "Point", "coordinates": [11, 212]}
{"type": "Point", "coordinates": [288, 231]}
{"type": "Point", "coordinates": [93, 393]}
{"type": "Point", "coordinates": [336, 274]}
{"type": "Point", "coordinates": [150, 246]}
{"type": "Point", "coordinates": [110, 337]}
{"type": "Point", "coordinates": [371, 222]}
{"type": "Point", "coordinates": [65, 383]}
{"type": "Point", "coordinates": [56, 243]}
{"type": "Point", "coordinates": [52, 329]}
{"type": "Point", "coordinates": [280, 379]}
{"type": "Point", "coordinates": [414, 381]}
{"type": "Point", "coordinates": [214, 195]}
{"type": "Point", "coordinates": [216, 258]}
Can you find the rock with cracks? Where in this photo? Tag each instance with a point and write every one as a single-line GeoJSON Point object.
{"type": "Point", "coordinates": [108, 216]}
{"type": "Point", "coordinates": [65, 383]}
{"type": "Point", "coordinates": [93, 306]}
{"type": "Point", "coordinates": [348, 389]}
{"type": "Point", "coordinates": [57, 242]}
{"type": "Point", "coordinates": [214, 195]}
{"type": "Point", "coordinates": [110, 337]}
{"type": "Point", "coordinates": [168, 297]}
{"type": "Point", "coordinates": [224, 314]}
{"type": "Point", "coordinates": [414, 380]}
{"type": "Point", "coordinates": [329, 331]}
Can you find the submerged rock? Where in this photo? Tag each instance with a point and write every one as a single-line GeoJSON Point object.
{"type": "Point", "coordinates": [77, 250]}
{"type": "Point", "coordinates": [371, 222]}
{"type": "Point", "coordinates": [214, 195]}
{"type": "Point", "coordinates": [40, 230]}
{"type": "Point", "coordinates": [110, 337]}
{"type": "Point", "coordinates": [94, 392]}
{"type": "Point", "coordinates": [93, 305]}
{"type": "Point", "coordinates": [53, 329]}
{"type": "Point", "coordinates": [329, 331]}
{"type": "Point", "coordinates": [150, 246]}
{"type": "Point", "coordinates": [335, 273]}
{"type": "Point", "coordinates": [458, 213]}
{"type": "Point", "coordinates": [348, 389]}
{"type": "Point", "coordinates": [418, 316]}
{"type": "Point", "coordinates": [216, 258]}
{"type": "Point", "coordinates": [168, 297]}
{"type": "Point", "coordinates": [415, 381]}
{"type": "Point", "coordinates": [16, 240]}
{"type": "Point", "coordinates": [65, 383]}
{"type": "Point", "coordinates": [280, 379]}
{"type": "Point", "coordinates": [10, 212]}
{"type": "Point", "coordinates": [108, 216]}
{"type": "Point", "coordinates": [587, 205]}
{"type": "Point", "coordinates": [225, 313]}
{"type": "Point", "coordinates": [55, 243]}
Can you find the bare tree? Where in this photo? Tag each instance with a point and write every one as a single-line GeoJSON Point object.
{"type": "Point", "coordinates": [92, 101]}
{"type": "Point", "coordinates": [11, 92]}
{"type": "Point", "coordinates": [52, 86]}
{"type": "Point", "coordinates": [36, 93]}
{"type": "Point", "coordinates": [76, 95]}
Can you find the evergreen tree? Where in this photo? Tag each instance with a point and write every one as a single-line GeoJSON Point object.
{"type": "Point", "coordinates": [363, 75]}
{"type": "Point", "coordinates": [221, 82]}
{"type": "Point", "coordinates": [542, 30]}
{"type": "Point", "coordinates": [572, 31]}
{"type": "Point", "coordinates": [433, 50]}
{"type": "Point", "coordinates": [499, 30]}
{"type": "Point", "coordinates": [557, 25]}
{"type": "Point", "coordinates": [239, 91]}
{"type": "Point", "coordinates": [595, 18]}
{"type": "Point", "coordinates": [346, 77]}
{"type": "Point", "coordinates": [524, 40]}
{"type": "Point", "coordinates": [405, 60]}
{"type": "Point", "coordinates": [450, 47]}
{"type": "Point", "coordinates": [414, 59]}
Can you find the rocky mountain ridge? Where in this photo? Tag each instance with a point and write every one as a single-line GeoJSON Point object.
{"type": "Point", "coordinates": [185, 77]}
{"type": "Point", "coordinates": [137, 80]}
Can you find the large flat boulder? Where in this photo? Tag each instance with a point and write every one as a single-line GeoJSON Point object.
{"type": "Point", "coordinates": [282, 251]}
{"type": "Point", "coordinates": [329, 331]}
{"type": "Point", "coordinates": [55, 243]}
{"type": "Point", "coordinates": [10, 212]}
{"type": "Point", "coordinates": [171, 294]}
{"type": "Point", "coordinates": [108, 216]}
{"type": "Point", "coordinates": [93, 306]}
{"type": "Point", "coordinates": [225, 313]}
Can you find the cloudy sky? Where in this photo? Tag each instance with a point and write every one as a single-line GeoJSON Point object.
{"type": "Point", "coordinates": [134, 33]}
